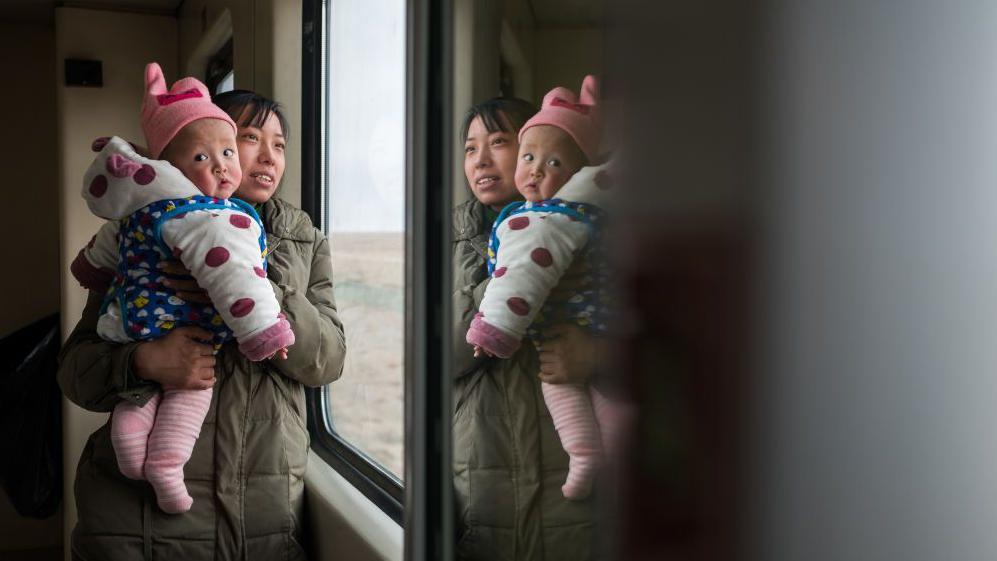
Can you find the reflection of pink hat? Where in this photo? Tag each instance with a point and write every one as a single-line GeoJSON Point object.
{"type": "Point", "coordinates": [164, 112]}
{"type": "Point", "coordinates": [578, 116]}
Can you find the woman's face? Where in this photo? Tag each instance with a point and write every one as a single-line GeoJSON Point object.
{"type": "Point", "coordinates": [261, 151]}
{"type": "Point", "coordinates": [490, 164]}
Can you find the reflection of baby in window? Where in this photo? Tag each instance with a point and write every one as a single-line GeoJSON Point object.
{"type": "Point", "coordinates": [532, 246]}
{"type": "Point", "coordinates": [177, 207]}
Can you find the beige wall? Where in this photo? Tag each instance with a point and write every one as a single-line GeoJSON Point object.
{"type": "Point", "coordinates": [30, 209]}
{"type": "Point", "coordinates": [266, 43]}
{"type": "Point", "coordinates": [30, 215]}
{"type": "Point", "coordinates": [564, 56]}
{"type": "Point", "coordinates": [477, 31]}
{"type": "Point", "coordinates": [124, 42]}
{"type": "Point", "coordinates": [518, 45]}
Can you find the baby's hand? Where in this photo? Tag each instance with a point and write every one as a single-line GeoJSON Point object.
{"type": "Point", "coordinates": [478, 352]}
{"type": "Point", "coordinates": [282, 353]}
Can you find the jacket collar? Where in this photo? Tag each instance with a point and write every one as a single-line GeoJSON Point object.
{"type": "Point", "coordinates": [284, 221]}
{"type": "Point", "coordinates": [469, 226]}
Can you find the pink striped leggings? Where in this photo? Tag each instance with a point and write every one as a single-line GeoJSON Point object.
{"type": "Point", "coordinates": [153, 442]}
{"type": "Point", "coordinates": [588, 424]}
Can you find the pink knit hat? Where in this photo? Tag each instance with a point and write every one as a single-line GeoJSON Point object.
{"type": "Point", "coordinates": [165, 112]}
{"type": "Point", "coordinates": [578, 116]}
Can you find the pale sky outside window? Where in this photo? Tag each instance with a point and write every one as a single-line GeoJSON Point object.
{"type": "Point", "coordinates": [367, 116]}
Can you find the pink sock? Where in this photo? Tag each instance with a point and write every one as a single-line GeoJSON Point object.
{"type": "Point", "coordinates": [615, 419]}
{"type": "Point", "coordinates": [575, 422]}
{"type": "Point", "coordinates": [178, 423]}
{"type": "Point", "coordinates": [130, 428]}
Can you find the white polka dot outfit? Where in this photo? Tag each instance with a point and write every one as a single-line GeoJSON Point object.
{"type": "Point", "coordinates": [536, 246]}
{"type": "Point", "coordinates": [218, 240]}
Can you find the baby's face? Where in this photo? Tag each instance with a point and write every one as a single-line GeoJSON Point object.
{"type": "Point", "coordinates": [205, 152]}
{"type": "Point", "coordinates": [548, 157]}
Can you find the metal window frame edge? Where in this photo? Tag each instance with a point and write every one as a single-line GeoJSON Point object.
{"type": "Point", "coordinates": [314, 14]}
{"type": "Point", "coordinates": [429, 511]}
{"type": "Point", "coordinates": [380, 487]}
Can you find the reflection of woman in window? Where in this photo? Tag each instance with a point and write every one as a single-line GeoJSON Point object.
{"type": "Point", "coordinates": [508, 461]}
{"type": "Point", "coordinates": [246, 473]}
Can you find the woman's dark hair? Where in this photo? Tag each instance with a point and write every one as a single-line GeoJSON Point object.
{"type": "Point", "coordinates": [252, 108]}
{"type": "Point", "coordinates": [499, 114]}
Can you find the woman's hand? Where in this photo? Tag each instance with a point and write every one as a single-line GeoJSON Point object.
{"type": "Point", "coordinates": [187, 289]}
{"type": "Point", "coordinates": [178, 361]}
{"type": "Point", "coordinates": [568, 355]}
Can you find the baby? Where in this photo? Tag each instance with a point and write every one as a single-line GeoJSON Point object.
{"type": "Point", "coordinates": [532, 246]}
{"type": "Point", "coordinates": [176, 209]}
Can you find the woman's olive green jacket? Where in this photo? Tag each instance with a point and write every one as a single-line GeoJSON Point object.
{"type": "Point", "coordinates": [508, 461]}
{"type": "Point", "coordinates": [246, 474]}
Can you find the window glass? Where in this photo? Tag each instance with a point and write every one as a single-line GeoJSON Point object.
{"type": "Point", "coordinates": [227, 84]}
{"type": "Point", "coordinates": [365, 203]}
{"type": "Point", "coordinates": [220, 75]}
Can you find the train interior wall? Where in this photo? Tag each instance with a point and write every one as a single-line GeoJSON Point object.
{"type": "Point", "coordinates": [30, 228]}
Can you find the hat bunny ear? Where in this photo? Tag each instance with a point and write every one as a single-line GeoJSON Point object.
{"type": "Point", "coordinates": [155, 83]}
{"type": "Point", "coordinates": [590, 91]}
{"type": "Point", "coordinates": [563, 94]}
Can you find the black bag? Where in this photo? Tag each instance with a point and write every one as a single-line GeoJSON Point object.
{"type": "Point", "coordinates": [31, 418]}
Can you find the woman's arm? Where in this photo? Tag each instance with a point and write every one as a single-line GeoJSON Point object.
{"type": "Point", "coordinates": [96, 374]}
{"type": "Point", "coordinates": [470, 280]}
{"type": "Point", "coordinates": [319, 350]}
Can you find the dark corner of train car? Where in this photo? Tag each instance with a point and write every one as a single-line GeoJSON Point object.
{"type": "Point", "coordinates": [510, 280]}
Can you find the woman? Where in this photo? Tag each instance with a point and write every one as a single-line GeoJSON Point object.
{"type": "Point", "coordinates": [508, 462]}
{"type": "Point", "coordinates": [246, 474]}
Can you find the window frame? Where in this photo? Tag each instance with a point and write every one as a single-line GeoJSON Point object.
{"type": "Point", "coordinates": [377, 484]}
{"type": "Point", "coordinates": [429, 512]}
{"type": "Point", "coordinates": [424, 504]}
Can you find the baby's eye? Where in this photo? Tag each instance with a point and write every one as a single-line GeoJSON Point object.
{"type": "Point", "coordinates": [528, 157]}
{"type": "Point", "coordinates": [200, 157]}
{"type": "Point", "coordinates": [228, 152]}
{"type": "Point", "coordinates": [554, 162]}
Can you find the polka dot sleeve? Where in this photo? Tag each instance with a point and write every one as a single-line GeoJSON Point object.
{"type": "Point", "coordinates": [221, 249]}
{"type": "Point", "coordinates": [535, 250]}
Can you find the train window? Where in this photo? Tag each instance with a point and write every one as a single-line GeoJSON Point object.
{"type": "Point", "coordinates": [220, 73]}
{"type": "Point", "coordinates": [359, 73]}
{"type": "Point", "coordinates": [227, 84]}
{"type": "Point", "coordinates": [365, 206]}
